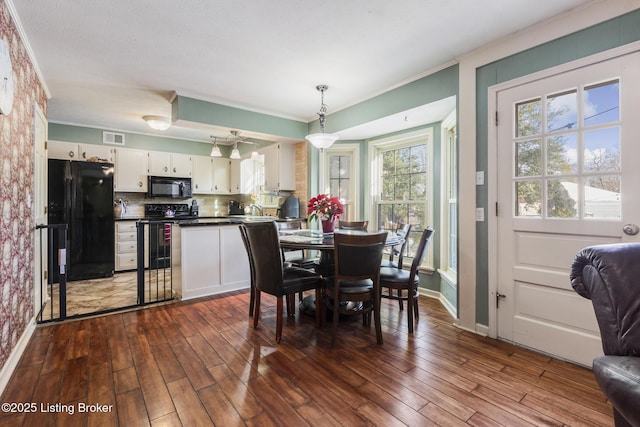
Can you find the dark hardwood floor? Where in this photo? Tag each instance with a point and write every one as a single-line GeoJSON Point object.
{"type": "Point", "coordinates": [201, 363]}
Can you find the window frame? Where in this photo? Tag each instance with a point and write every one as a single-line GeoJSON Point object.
{"type": "Point", "coordinates": [417, 137]}
{"type": "Point", "coordinates": [352, 150]}
{"type": "Point", "coordinates": [449, 193]}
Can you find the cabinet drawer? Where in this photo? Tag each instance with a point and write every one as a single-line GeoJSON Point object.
{"type": "Point", "coordinates": [125, 226]}
{"type": "Point", "coordinates": [126, 247]}
{"type": "Point", "coordinates": [126, 237]}
{"type": "Point", "coordinates": [126, 261]}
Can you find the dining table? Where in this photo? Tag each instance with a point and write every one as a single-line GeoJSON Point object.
{"type": "Point", "coordinates": [307, 239]}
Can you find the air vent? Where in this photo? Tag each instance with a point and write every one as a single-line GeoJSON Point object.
{"type": "Point", "coordinates": [113, 138]}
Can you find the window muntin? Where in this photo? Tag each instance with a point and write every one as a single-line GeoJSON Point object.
{"type": "Point", "coordinates": [567, 154]}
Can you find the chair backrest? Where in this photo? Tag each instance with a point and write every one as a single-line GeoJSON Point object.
{"type": "Point", "coordinates": [358, 256]}
{"type": "Point", "coordinates": [264, 246]}
{"type": "Point", "coordinates": [421, 252]}
{"type": "Point", "coordinates": [245, 240]}
{"type": "Point", "coordinates": [402, 231]}
{"type": "Point", "coordinates": [289, 225]}
{"type": "Point", "coordinates": [609, 275]}
{"type": "Point", "coordinates": [353, 225]}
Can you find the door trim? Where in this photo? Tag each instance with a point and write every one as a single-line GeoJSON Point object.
{"type": "Point", "coordinates": [492, 158]}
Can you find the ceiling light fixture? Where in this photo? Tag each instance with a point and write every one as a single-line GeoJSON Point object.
{"type": "Point", "coordinates": [157, 122]}
{"type": "Point", "coordinates": [215, 150]}
{"type": "Point", "coordinates": [322, 140]}
{"type": "Point", "coordinates": [235, 153]}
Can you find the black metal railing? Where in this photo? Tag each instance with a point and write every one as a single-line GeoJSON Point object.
{"type": "Point", "coordinates": [155, 261]}
{"type": "Point", "coordinates": [50, 291]}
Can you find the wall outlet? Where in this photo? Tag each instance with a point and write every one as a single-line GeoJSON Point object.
{"type": "Point", "coordinates": [479, 214]}
{"type": "Point", "coordinates": [480, 178]}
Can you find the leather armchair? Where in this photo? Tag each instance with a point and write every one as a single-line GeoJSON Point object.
{"type": "Point", "coordinates": [609, 275]}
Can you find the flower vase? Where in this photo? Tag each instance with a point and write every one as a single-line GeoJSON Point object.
{"type": "Point", "coordinates": [328, 225]}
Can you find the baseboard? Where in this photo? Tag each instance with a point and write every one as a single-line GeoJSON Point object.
{"type": "Point", "coordinates": [16, 354]}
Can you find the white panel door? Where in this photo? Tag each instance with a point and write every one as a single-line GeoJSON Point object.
{"type": "Point", "coordinates": [567, 178]}
{"type": "Point", "coordinates": [39, 209]}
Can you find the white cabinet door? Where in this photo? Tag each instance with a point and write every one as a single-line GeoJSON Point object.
{"type": "Point", "coordinates": [234, 177]}
{"type": "Point", "coordinates": [200, 255]}
{"type": "Point", "coordinates": [202, 180]}
{"type": "Point", "coordinates": [131, 170]}
{"type": "Point", "coordinates": [180, 165]}
{"type": "Point", "coordinates": [159, 163]}
{"type": "Point", "coordinates": [101, 152]}
{"type": "Point", "coordinates": [279, 167]}
{"type": "Point", "coordinates": [221, 168]}
{"type": "Point", "coordinates": [62, 150]}
{"type": "Point", "coordinates": [233, 258]}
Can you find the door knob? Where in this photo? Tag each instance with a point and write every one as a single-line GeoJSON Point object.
{"type": "Point", "coordinates": [631, 229]}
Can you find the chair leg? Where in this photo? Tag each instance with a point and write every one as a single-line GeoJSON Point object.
{"type": "Point", "coordinates": [319, 307]}
{"type": "Point", "coordinates": [334, 331]}
{"type": "Point", "coordinates": [256, 312]}
{"type": "Point", "coordinates": [279, 313]}
{"type": "Point", "coordinates": [410, 303]}
{"type": "Point", "coordinates": [415, 306]}
{"type": "Point", "coordinates": [376, 318]}
{"type": "Point", "coordinates": [252, 300]}
{"type": "Point", "coordinates": [291, 300]}
{"type": "Point", "coordinates": [399, 300]}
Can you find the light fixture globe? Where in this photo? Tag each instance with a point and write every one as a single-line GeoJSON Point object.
{"type": "Point", "coordinates": [157, 122]}
{"type": "Point", "coordinates": [215, 150]}
{"type": "Point", "coordinates": [322, 140]}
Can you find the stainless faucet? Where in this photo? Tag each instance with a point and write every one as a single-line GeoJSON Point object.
{"type": "Point", "coordinates": [123, 206]}
{"type": "Point", "coordinates": [254, 207]}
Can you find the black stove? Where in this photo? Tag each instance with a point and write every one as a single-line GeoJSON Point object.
{"type": "Point", "coordinates": [164, 210]}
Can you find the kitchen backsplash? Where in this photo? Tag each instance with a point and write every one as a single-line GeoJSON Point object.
{"type": "Point", "coordinates": [209, 205]}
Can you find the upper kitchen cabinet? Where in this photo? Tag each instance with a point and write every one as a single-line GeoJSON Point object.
{"type": "Point", "coordinates": [202, 178]}
{"type": "Point", "coordinates": [279, 167]}
{"type": "Point", "coordinates": [234, 177]}
{"type": "Point", "coordinates": [131, 170]}
{"type": "Point", "coordinates": [82, 152]}
{"type": "Point", "coordinates": [221, 169]}
{"type": "Point", "coordinates": [169, 164]}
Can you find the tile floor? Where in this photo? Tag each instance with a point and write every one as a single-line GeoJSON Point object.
{"type": "Point", "coordinates": [90, 296]}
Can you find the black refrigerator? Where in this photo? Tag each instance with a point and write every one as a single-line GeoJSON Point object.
{"type": "Point", "coordinates": [80, 194]}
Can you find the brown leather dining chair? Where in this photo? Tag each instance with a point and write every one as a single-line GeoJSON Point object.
{"type": "Point", "coordinates": [269, 274]}
{"type": "Point", "coordinates": [354, 287]}
{"type": "Point", "coordinates": [353, 225]}
{"type": "Point", "coordinates": [399, 280]}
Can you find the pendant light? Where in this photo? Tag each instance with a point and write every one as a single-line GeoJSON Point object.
{"type": "Point", "coordinates": [235, 153]}
{"type": "Point", "coordinates": [322, 140]}
{"type": "Point", "coordinates": [215, 150]}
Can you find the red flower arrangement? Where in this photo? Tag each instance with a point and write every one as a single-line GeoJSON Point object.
{"type": "Point", "coordinates": [324, 207]}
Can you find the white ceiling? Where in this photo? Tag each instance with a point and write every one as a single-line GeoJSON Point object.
{"type": "Point", "coordinates": [108, 63]}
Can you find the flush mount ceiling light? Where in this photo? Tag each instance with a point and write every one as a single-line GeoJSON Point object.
{"type": "Point", "coordinates": [157, 122]}
{"type": "Point", "coordinates": [215, 150]}
{"type": "Point", "coordinates": [322, 140]}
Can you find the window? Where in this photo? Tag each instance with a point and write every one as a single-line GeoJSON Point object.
{"type": "Point", "coordinates": [340, 172]}
{"type": "Point", "coordinates": [403, 183]}
{"type": "Point", "coordinates": [449, 217]}
{"type": "Point", "coordinates": [567, 154]}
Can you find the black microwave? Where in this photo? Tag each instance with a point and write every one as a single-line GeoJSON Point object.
{"type": "Point", "coordinates": [172, 188]}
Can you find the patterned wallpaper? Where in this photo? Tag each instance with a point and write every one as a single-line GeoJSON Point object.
{"type": "Point", "coordinates": [16, 182]}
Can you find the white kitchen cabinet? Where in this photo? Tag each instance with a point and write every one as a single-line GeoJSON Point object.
{"type": "Point", "coordinates": [181, 165]}
{"type": "Point", "coordinates": [279, 167]}
{"type": "Point", "coordinates": [235, 181]}
{"type": "Point", "coordinates": [131, 170]}
{"type": "Point", "coordinates": [126, 245]}
{"type": "Point", "coordinates": [212, 260]}
{"type": "Point", "coordinates": [221, 168]}
{"type": "Point", "coordinates": [88, 151]}
{"type": "Point", "coordinates": [202, 179]}
{"type": "Point", "coordinates": [62, 150]}
{"type": "Point", "coordinates": [82, 152]}
{"type": "Point", "coordinates": [169, 164]}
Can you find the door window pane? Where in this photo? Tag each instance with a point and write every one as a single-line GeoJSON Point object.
{"type": "Point", "coordinates": [602, 150]}
{"type": "Point", "coordinates": [562, 196]}
{"type": "Point", "coordinates": [562, 154]}
{"type": "Point", "coordinates": [529, 118]}
{"type": "Point", "coordinates": [528, 158]}
{"type": "Point", "coordinates": [602, 197]}
{"type": "Point", "coordinates": [529, 198]}
{"type": "Point", "coordinates": [562, 111]}
{"type": "Point", "coordinates": [602, 103]}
